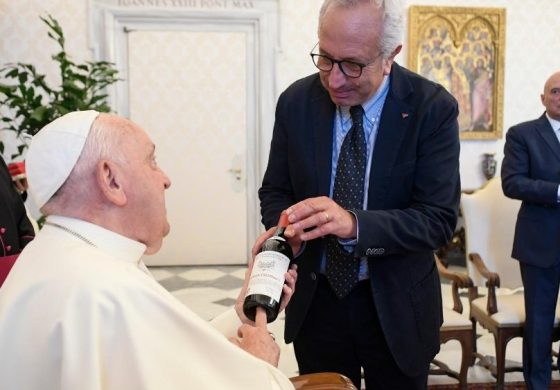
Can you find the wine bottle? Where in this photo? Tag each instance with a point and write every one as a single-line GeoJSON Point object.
{"type": "Point", "coordinates": [267, 277]}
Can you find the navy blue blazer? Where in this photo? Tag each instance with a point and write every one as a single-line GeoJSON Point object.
{"type": "Point", "coordinates": [531, 173]}
{"type": "Point", "coordinates": [413, 200]}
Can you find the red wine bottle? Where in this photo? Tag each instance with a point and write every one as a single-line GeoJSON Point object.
{"type": "Point", "coordinates": [267, 277]}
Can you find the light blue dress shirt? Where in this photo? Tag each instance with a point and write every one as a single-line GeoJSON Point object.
{"type": "Point", "coordinates": [342, 124]}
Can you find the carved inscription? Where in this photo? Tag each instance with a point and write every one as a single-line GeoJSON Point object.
{"type": "Point", "coordinates": [199, 4]}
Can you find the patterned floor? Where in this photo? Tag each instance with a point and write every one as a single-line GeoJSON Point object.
{"type": "Point", "coordinates": [208, 291]}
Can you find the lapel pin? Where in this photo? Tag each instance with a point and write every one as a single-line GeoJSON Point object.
{"type": "Point", "coordinates": [404, 115]}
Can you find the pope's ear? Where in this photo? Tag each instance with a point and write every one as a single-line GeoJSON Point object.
{"type": "Point", "coordinates": [110, 179]}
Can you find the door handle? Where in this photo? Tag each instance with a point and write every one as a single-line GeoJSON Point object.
{"type": "Point", "coordinates": [236, 172]}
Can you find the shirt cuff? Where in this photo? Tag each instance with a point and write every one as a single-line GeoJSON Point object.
{"type": "Point", "coordinates": [558, 194]}
{"type": "Point", "coordinates": [350, 243]}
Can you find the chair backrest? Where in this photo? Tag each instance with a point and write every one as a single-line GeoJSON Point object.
{"type": "Point", "coordinates": [489, 218]}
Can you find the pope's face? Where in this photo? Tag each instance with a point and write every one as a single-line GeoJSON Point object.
{"type": "Point", "coordinates": [146, 190]}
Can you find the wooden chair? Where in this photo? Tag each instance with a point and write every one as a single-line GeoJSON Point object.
{"type": "Point", "coordinates": [322, 381]}
{"type": "Point", "coordinates": [489, 218]}
{"type": "Point", "coordinates": [455, 327]}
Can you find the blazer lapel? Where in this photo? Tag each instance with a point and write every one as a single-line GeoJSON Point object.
{"type": "Point", "coordinates": [323, 113]}
{"type": "Point", "coordinates": [395, 119]}
{"type": "Point", "coordinates": [546, 131]}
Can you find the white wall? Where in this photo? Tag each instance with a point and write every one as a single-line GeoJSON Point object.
{"type": "Point", "coordinates": [531, 51]}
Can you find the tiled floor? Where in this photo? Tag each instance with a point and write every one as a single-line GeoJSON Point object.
{"type": "Point", "coordinates": [210, 290]}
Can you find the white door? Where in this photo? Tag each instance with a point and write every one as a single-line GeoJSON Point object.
{"type": "Point", "coordinates": [187, 89]}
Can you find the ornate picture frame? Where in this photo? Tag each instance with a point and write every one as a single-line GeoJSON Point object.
{"type": "Point", "coordinates": [463, 49]}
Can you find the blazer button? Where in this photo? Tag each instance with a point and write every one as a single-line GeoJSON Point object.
{"type": "Point", "coordinates": [8, 248]}
{"type": "Point", "coordinates": [313, 276]}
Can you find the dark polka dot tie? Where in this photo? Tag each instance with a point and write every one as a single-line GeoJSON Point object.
{"type": "Point", "coordinates": [348, 192]}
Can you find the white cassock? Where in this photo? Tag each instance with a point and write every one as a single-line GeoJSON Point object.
{"type": "Point", "coordinates": [87, 316]}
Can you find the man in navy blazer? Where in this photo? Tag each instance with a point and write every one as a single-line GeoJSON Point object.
{"type": "Point", "coordinates": [388, 324]}
{"type": "Point", "coordinates": [531, 173]}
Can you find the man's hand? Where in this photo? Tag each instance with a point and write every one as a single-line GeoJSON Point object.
{"type": "Point", "coordinates": [317, 217]}
{"type": "Point", "coordinates": [287, 291]}
{"type": "Point", "coordinates": [19, 178]}
{"type": "Point", "coordinates": [257, 340]}
{"type": "Point", "coordinates": [20, 185]}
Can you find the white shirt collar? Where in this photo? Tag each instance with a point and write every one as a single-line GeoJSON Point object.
{"type": "Point", "coordinates": [553, 122]}
{"type": "Point", "coordinates": [121, 247]}
{"type": "Point", "coordinates": [369, 104]}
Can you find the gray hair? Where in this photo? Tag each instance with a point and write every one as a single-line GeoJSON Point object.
{"type": "Point", "coordinates": [393, 19]}
{"type": "Point", "coordinates": [102, 142]}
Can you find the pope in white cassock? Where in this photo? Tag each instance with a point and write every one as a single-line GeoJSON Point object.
{"type": "Point", "coordinates": [80, 310]}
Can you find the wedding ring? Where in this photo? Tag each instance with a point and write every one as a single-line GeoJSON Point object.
{"type": "Point", "coordinates": [326, 216]}
{"type": "Point", "coordinates": [272, 335]}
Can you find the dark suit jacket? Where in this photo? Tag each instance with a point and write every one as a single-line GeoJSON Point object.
{"type": "Point", "coordinates": [531, 173]}
{"type": "Point", "coordinates": [15, 229]}
{"type": "Point", "coordinates": [413, 201]}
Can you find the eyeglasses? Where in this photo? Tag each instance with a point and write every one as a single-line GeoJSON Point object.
{"type": "Point", "coordinates": [348, 68]}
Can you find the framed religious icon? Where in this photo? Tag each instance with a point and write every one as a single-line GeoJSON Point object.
{"type": "Point", "coordinates": [463, 50]}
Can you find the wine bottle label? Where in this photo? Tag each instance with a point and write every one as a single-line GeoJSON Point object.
{"type": "Point", "coordinates": [267, 276]}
